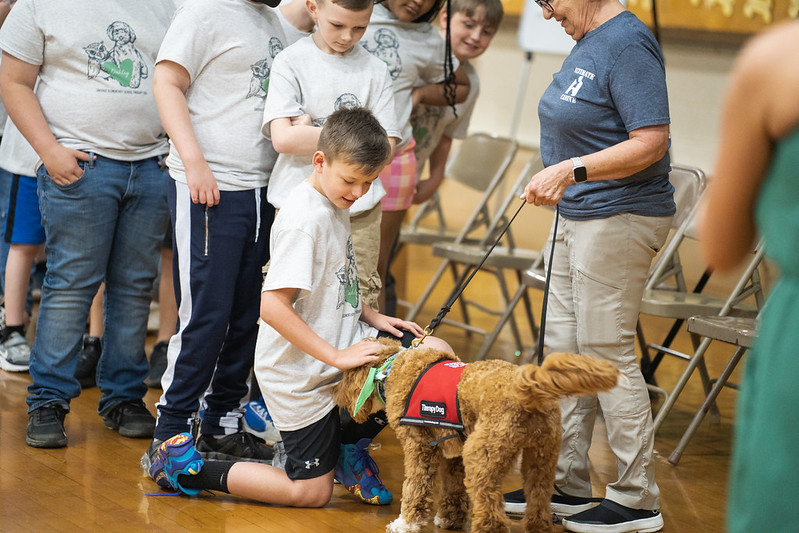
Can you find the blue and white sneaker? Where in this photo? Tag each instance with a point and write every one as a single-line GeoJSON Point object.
{"type": "Point", "coordinates": [358, 472]}
{"type": "Point", "coordinates": [173, 457]}
{"type": "Point", "coordinates": [258, 422]}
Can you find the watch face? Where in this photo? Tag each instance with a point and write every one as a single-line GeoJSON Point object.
{"type": "Point", "coordinates": [580, 174]}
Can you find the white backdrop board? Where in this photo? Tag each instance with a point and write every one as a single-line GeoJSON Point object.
{"type": "Point", "coordinates": [537, 34]}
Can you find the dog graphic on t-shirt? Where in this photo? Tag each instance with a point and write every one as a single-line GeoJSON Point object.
{"type": "Point", "coordinates": [122, 62]}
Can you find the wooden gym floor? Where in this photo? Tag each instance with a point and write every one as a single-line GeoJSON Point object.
{"type": "Point", "coordinates": [96, 484]}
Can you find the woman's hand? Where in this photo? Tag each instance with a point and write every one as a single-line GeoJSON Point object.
{"type": "Point", "coordinates": [547, 186]}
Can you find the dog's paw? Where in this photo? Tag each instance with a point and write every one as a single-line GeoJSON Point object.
{"type": "Point", "coordinates": [449, 522]}
{"type": "Point", "coordinates": [401, 526]}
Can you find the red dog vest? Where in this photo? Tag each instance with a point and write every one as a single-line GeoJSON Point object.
{"type": "Point", "coordinates": [434, 398]}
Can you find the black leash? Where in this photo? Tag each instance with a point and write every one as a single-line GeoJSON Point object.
{"type": "Point", "coordinates": [543, 327]}
{"type": "Point", "coordinates": [447, 307]}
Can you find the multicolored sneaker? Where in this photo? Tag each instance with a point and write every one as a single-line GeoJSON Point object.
{"type": "Point", "coordinates": [173, 457]}
{"type": "Point", "coordinates": [357, 471]}
{"type": "Point", "coordinates": [258, 422]}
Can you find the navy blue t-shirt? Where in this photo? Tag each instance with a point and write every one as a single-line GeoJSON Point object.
{"type": "Point", "coordinates": [612, 82]}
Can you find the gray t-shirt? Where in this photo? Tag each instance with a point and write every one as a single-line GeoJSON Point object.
{"type": "Point", "coordinates": [95, 82]}
{"type": "Point", "coordinates": [414, 53]}
{"type": "Point", "coordinates": [227, 47]}
{"type": "Point", "coordinates": [292, 33]}
{"type": "Point", "coordinates": [612, 82]}
{"type": "Point", "coordinates": [430, 122]}
{"type": "Point", "coordinates": [311, 250]}
{"type": "Point", "coordinates": [306, 80]}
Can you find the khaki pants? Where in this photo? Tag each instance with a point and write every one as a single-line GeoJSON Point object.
{"type": "Point", "coordinates": [598, 275]}
{"type": "Point", "coordinates": [365, 229]}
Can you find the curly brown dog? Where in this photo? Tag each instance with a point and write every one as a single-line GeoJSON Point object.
{"type": "Point", "coordinates": [505, 408]}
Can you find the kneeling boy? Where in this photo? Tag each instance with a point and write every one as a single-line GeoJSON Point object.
{"type": "Point", "coordinates": [312, 328]}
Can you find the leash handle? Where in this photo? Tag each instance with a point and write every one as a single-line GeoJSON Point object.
{"type": "Point", "coordinates": [448, 306]}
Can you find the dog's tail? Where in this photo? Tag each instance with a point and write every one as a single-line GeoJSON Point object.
{"type": "Point", "coordinates": [563, 374]}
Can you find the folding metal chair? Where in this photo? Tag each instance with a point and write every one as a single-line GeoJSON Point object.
{"type": "Point", "coordinates": [667, 295]}
{"type": "Point", "coordinates": [480, 164]}
{"type": "Point", "coordinates": [723, 325]}
{"type": "Point", "coordinates": [461, 257]}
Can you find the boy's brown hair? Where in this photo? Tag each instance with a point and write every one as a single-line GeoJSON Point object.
{"type": "Point", "coordinates": [355, 137]}
{"type": "Point", "coordinates": [352, 5]}
{"type": "Point", "coordinates": [493, 10]}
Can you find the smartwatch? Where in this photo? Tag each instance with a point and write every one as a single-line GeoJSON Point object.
{"type": "Point", "coordinates": [579, 174]}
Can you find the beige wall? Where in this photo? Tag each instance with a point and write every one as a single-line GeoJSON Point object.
{"type": "Point", "coordinates": [696, 76]}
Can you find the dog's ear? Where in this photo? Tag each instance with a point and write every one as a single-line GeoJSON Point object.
{"type": "Point", "coordinates": [349, 388]}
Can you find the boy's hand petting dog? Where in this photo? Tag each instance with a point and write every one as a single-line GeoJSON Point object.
{"type": "Point", "coordinates": [397, 326]}
{"type": "Point", "coordinates": [390, 324]}
{"type": "Point", "coordinates": [358, 354]}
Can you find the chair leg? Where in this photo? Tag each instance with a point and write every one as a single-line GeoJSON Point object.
{"type": "Point", "coordinates": [715, 414]}
{"type": "Point", "coordinates": [458, 280]}
{"type": "Point", "coordinates": [528, 308]}
{"type": "Point", "coordinates": [699, 354]}
{"type": "Point", "coordinates": [417, 307]}
{"type": "Point", "coordinates": [709, 402]}
{"type": "Point", "coordinates": [499, 273]}
{"type": "Point", "coordinates": [492, 337]}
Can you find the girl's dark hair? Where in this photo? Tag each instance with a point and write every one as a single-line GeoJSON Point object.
{"type": "Point", "coordinates": [432, 13]}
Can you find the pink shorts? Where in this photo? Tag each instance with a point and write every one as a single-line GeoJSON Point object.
{"type": "Point", "coordinates": [399, 179]}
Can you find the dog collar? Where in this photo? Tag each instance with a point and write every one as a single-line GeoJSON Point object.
{"type": "Point", "coordinates": [375, 383]}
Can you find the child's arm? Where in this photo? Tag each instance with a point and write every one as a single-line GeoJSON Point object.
{"type": "Point", "coordinates": [277, 311]}
{"type": "Point", "coordinates": [17, 80]}
{"type": "Point", "coordinates": [433, 94]}
{"type": "Point", "coordinates": [438, 163]}
{"type": "Point", "coordinates": [170, 83]}
{"type": "Point", "coordinates": [389, 324]}
{"type": "Point", "coordinates": [294, 135]}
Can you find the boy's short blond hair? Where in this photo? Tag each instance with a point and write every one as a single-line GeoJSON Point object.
{"type": "Point", "coordinates": [493, 9]}
{"type": "Point", "coordinates": [354, 136]}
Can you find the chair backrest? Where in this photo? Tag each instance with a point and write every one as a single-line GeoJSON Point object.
{"type": "Point", "coordinates": [480, 163]}
{"type": "Point", "coordinates": [689, 184]}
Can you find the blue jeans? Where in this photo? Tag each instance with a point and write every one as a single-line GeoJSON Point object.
{"type": "Point", "coordinates": [106, 226]}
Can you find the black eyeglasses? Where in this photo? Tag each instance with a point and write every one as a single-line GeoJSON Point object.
{"type": "Point", "coordinates": [544, 4]}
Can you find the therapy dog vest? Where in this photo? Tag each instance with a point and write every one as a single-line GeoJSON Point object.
{"type": "Point", "coordinates": [433, 401]}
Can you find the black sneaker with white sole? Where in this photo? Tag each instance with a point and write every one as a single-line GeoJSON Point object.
{"type": "Point", "coordinates": [561, 504]}
{"type": "Point", "coordinates": [131, 419]}
{"type": "Point", "coordinates": [611, 517]}
{"type": "Point", "coordinates": [46, 427]}
{"type": "Point", "coordinates": [515, 502]}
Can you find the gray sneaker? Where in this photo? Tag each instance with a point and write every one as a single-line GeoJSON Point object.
{"type": "Point", "coordinates": [15, 354]}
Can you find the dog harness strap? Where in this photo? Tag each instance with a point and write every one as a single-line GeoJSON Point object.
{"type": "Point", "coordinates": [459, 434]}
{"type": "Point", "coordinates": [433, 401]}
